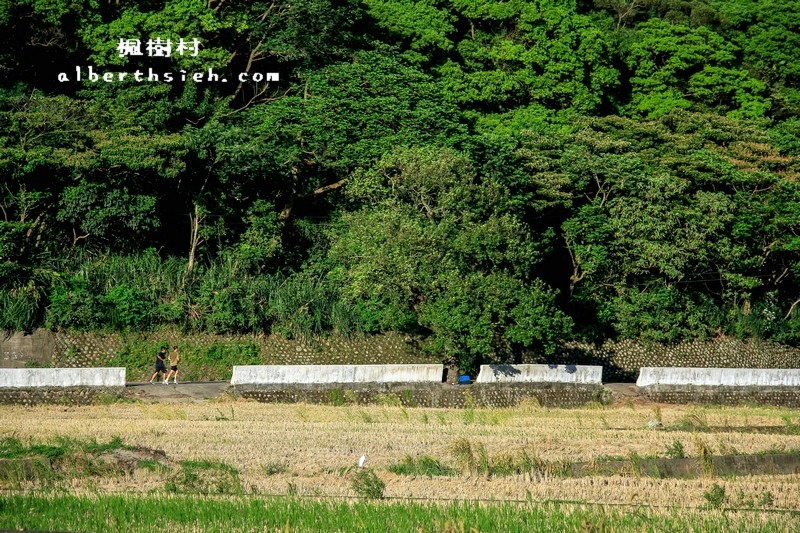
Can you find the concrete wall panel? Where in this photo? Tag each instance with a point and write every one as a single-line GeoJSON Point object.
{"type": "Point", "coordinates": [306, 374]}
{"type": "Point", "coordinates": [590, 375]}
{"type": "Point", "coordinates": [727, 377]}
{"type": "Point", "coordinates": [18, 349]}
{"type": "Point", "coordinates": [61, 377]}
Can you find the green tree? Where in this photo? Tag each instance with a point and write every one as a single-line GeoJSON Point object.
{"type": "Point", "coordinates": [674, 66]}
{"type": "Point", "coordinates": [680, 227]}
{"type": "Point", "coordinates": [516, 53]}
{"type": "Point", "coordinates": [432, 252]}
{"type": "Point", "coordinates": [767, 33]}
{"type": "Point", "coordinates": [297, 151]}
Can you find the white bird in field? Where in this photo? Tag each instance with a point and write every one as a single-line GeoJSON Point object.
{"type": "Point", "coordinates": [362, 461]}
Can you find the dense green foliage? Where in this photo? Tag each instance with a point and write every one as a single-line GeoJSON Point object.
{"type": "Point", "coordinates": [496, 177]}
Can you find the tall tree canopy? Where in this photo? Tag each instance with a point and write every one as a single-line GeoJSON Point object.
{"type": "Point", "coordinates": [496, 177]}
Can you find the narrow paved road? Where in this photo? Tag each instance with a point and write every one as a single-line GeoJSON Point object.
{"type": "Point", "coordinates": [182, 392]}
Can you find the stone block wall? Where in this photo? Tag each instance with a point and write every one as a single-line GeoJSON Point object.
{"type": "Point", "coordinates": [59, 395]}
{"type": "Point", "coordinates": [94, 349]}
{"type": "Point", "coordinates": [489, 395]}
{"type": "Point", "coordinates": [686, 394]}
{"type": "Point", "coordinates": [621, 360]}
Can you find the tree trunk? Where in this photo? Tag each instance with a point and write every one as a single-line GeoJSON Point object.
{"type": "Point", "coordinates": [195, 240]}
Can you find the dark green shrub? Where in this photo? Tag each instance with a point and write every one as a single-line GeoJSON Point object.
{"type": "Point", "coordinates": [421, 466]}
{"type": "Point", "coordinates": [19, 311]}
{"type": "Point", "coordinates": [715, 496]}
{"type": "Point", "coordinates": [675, 450]}
{"type": "Point", "coordinates": [206, 477]}
{"type": "Point", "coordinates": [368, 485]}
{"type": "Point", "coordinates": [127, 308]}
{"type": "Point", "coordinates": [74, 306]}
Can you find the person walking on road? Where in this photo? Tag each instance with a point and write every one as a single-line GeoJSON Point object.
{"type": "Point", "coordinates": [174, 359]}
{"type": "Point", "coordinates": [160, 365]}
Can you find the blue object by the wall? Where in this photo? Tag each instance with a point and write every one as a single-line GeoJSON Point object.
{"type": "Point", "coordinates": [464, 380]}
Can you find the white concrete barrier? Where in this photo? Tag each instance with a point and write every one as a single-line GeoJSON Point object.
{"type": "Point", "coordinates": [725, 377]}
{"type": "Point", "coordinates": [589, 375]}
{"type": "Point", "coordinates": [16, 378]}
{"type": "Point", "coordinates": [305, 374]}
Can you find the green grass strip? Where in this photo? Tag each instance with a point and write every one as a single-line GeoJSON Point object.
{"type": "Point", "coordinates": [151, 513]}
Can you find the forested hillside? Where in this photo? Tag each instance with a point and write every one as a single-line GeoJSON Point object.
{"type": "Point", "coordinates": [493, 176]}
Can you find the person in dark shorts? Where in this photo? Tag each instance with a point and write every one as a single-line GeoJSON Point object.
{"type": "Point", "coordinates": [160, 365]}
{"type": "Point", "coordinates": [174, 358]}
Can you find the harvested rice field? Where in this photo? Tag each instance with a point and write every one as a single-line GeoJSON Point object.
{"type": "Point", "coordinates": [597, 455]}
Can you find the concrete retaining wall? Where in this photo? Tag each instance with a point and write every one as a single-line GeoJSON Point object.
{"type": "Point", "coordinates": [308, 374]}
{"type": "Point", "coordinates": [19, 350]}
{"type": "Point", "coordinates": [26, 378]}
{"type": "Point", "coordinates": [721, 377]}
{"type": "Point", "coordinates": [721, 386]}
{"type": "Point", "coordinates": [589, 375]}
